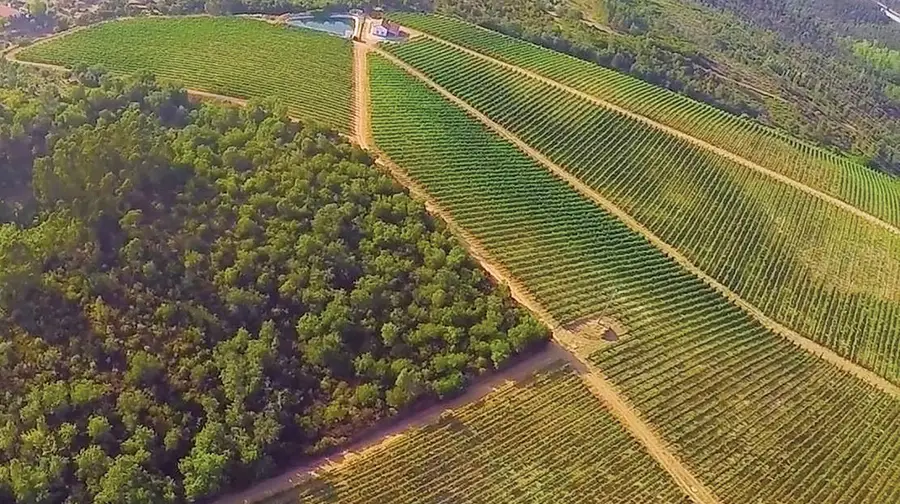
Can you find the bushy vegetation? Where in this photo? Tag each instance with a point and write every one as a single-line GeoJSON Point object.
{"type": "Point", "coordinates": [308, 71]}
{"type": "Point", "coordinates": [207, 292]}
{"type": "Point", "coordinates": [754, 417]}
{"type": "Point", "coordinates": [881, 57]}
{"type": "Point", "coordinates": [835, 282]}
{"type": "Point", "coordinates": [532, 442]}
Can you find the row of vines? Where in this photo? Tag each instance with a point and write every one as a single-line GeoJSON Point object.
{"type": "Point", "coordinates": [817, 268]}
{"type": "Point", "coordinates": [758, 419]}
{"type": "Point", "coordinates": [873, 192]}
{"type": "Point", "coordinates": [546, 440]}
{"type": "Point", "coordinates": [309, 72]}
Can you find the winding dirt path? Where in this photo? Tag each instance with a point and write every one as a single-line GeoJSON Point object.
{"type": "Point", "coordinates": [789, 334]}
{"type": "Point", "coordinates": [676, 133]}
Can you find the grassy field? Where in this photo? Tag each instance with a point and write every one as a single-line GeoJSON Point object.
{"type": "Point", "coordinates": [757, 419]}
{"type": "Point", "coordinates": [546, 440]}
{"type": "Point", "coordinates": [874, 192]}
{"type": "Point", "coordinates": [835, 282]}
{"type": "Point", "coordinates": [309, 72]}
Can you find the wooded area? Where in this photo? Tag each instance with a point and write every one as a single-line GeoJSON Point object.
{"type": "Point", "coordinates": [195, 294]}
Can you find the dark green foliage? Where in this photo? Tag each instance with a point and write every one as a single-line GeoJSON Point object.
{"type": "Point", "coordinates": [206, 292]}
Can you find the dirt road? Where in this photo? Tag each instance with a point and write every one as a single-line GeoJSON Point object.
{"type": "Point", "coordinates": [680, 134]}
{"type": "Point", "coordinates": [804, 343]}
{"type": "Point", "coordinates": [522, 370]}
{"type": "Point", "coordinates": [362, 130]}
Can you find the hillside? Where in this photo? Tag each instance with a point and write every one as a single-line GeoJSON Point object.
{"type": "Point", "coordinates": [236, 57]}
{"type": "Point", "coordinates": [750, 413]}
{"type": "Point", "coordinates": [274, 301]}
{"type": "Point", "coordinates": [786, 63]}
{"type": "Point", "coordinates": [747, 229]}
{"type": "Point", "coordinates": [206, 293]}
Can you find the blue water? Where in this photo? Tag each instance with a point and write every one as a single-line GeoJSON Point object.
{"type": "Point", "coordinates": [340, 26]}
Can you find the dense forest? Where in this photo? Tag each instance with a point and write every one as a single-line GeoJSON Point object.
{"type": "Point", "coordinates": [191, 295]}
{"type": "Point", "coordinates": [788, 63]}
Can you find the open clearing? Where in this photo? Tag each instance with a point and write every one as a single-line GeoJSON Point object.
{"type": "Point", "coordinates": [309, 72]}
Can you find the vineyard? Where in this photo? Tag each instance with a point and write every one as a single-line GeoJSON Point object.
{"type": "Point", "coordinates": [873, 192]}
{"type": "Point", "coordinates": [309, 72]}
{"type": "Point", "coordinates": [835, 282]}
{"type": "Point", "coordinates": [757, 419]}
{"type": "Point", "coordinates": [546, 440]}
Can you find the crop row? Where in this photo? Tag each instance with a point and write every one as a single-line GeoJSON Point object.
{"type": "Point", "coordinates": [735, 401]}
{"type": "Point", "coordinates": [827, 273]}
{"type": "Point", "coordinates": [547, 440]}
{"type": "Point", "coordinates": [858, 185]}
{"type": "Point", "coordinates": [308, 72]}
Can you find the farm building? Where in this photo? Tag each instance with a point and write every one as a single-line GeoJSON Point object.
{"type": "Point", "coordinates": [386, 29]}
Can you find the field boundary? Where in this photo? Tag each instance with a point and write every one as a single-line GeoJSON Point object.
{"type": "Point", "coordinates": [592, 377]}
{"type": "Point", "coordinates": [393, 429]}
{"type": "Point", "coordinates": [806, 344]}
{"type": "Point", "coordinates": [828, 198]}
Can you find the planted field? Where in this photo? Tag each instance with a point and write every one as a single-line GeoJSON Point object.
{"type": "Point", "coordinates": [309, 72]}
{"type": "Point", "coordinates": [756, 418]}
{"type": "Point", "coordinates": [547, 440]}
{"type": "Point", "coordinates": [835, 281]}
{"type": "Point", "coordinates": [873, 192]}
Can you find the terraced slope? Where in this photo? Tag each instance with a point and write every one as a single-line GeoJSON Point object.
{"type": "Point", "coordinates": [873, 192]}
{"type": "Point", "coordinates": [811, 265]}
{"type": "Point", "coordinates": [540, 441]}
{"type": "Point", "coordinates": [758, 419]}
{"type": "Point", "coordinates": [310, 72]}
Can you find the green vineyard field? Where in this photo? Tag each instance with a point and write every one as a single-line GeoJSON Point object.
{"type": "Point", "coordinates": [545, 440]}
{"type": "Point", "coordinates": [755, 418]}
{"type": "Point", "coordinates": [873, 192]}
{"type": "Point", "coordinates": [835, 282]}
{"type": "Point", "coordinates": [309, 72]}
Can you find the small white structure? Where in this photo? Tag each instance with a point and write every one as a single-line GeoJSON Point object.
{"type": "Point", "coordinates": [386, 29]}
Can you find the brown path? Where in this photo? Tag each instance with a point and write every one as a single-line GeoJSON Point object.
{"type": "Point", "coordinates": [789, 334]}
{"type": "Point", "coordinates": [520, 371]}
{"type": "Point", "coordinates": [362, 130]}
{"type": "Point", "coordinates": [679, 134]}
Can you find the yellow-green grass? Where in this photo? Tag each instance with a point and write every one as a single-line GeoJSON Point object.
{"type": "Point", "coordinates": [308, 71]}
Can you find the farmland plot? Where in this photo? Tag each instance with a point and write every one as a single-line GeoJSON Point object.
{"type": "Point", "coordinates": [546, 440]}
{"type": "Point", "coordinates": [825, 272]}
{"type": "Point", "coordinates": [873, 192]}
{"type": "Point", "coordinates": [757, 419]}
{"type": "Point", "coordinates": [309, 72]}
